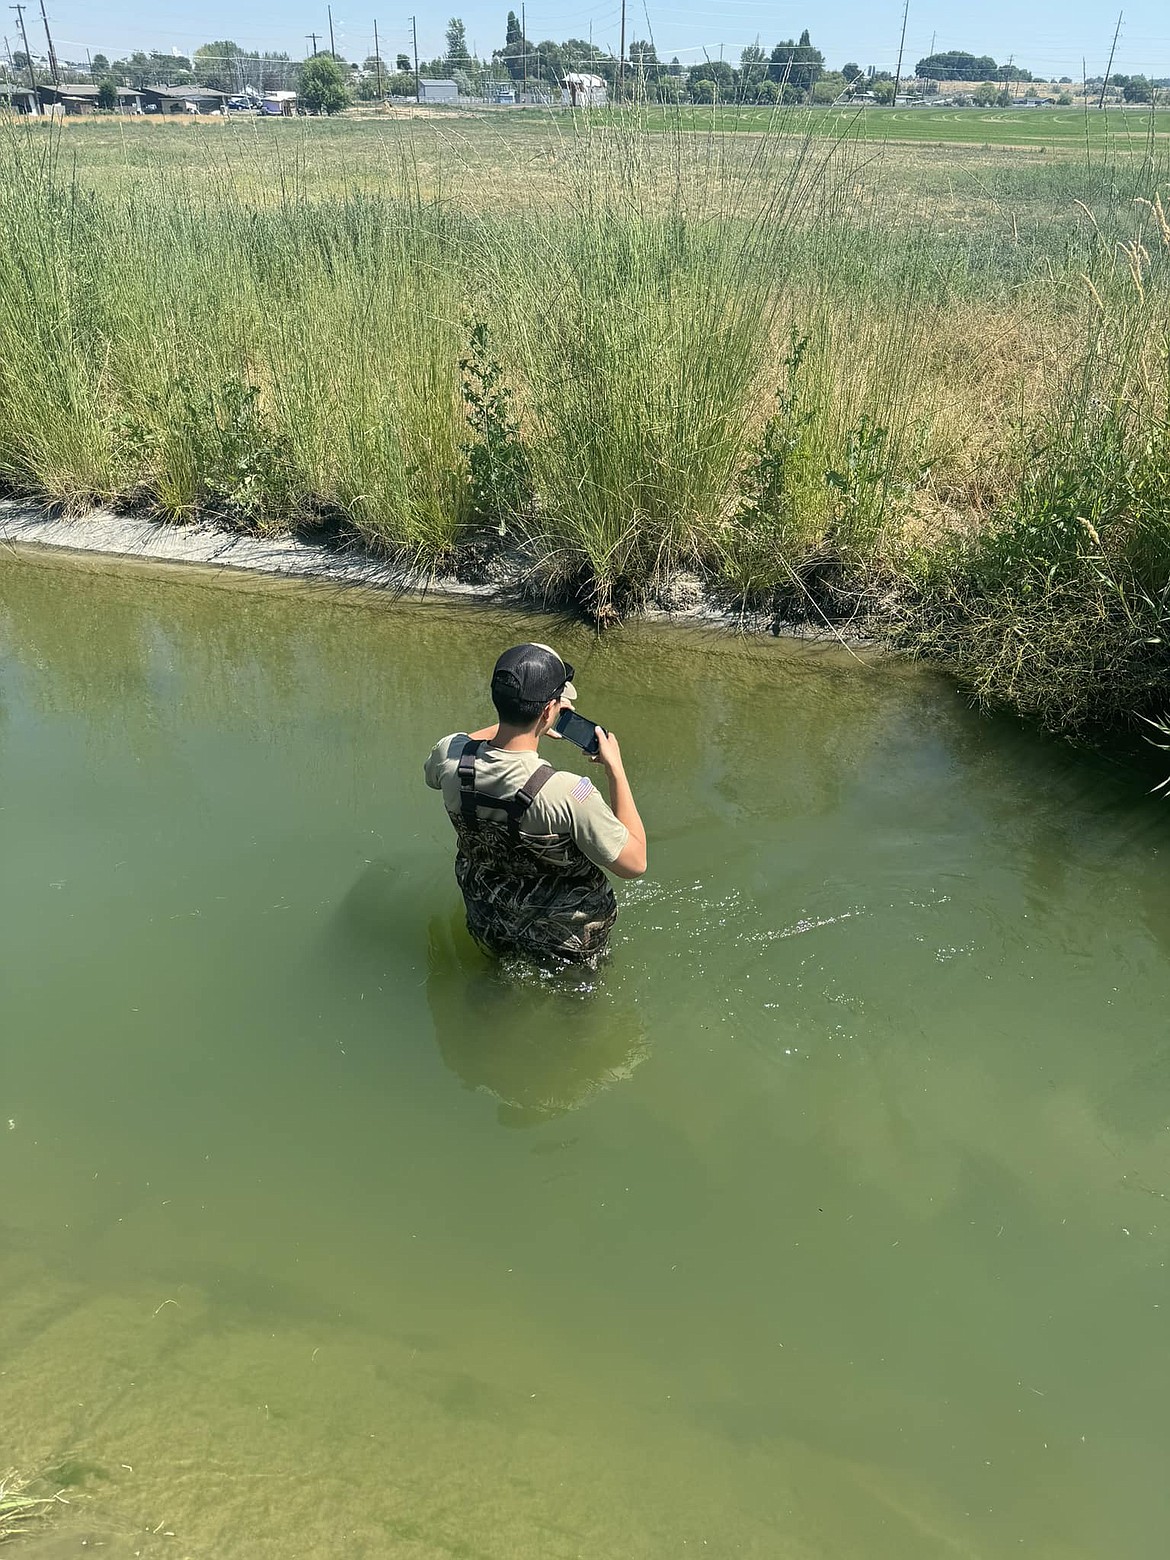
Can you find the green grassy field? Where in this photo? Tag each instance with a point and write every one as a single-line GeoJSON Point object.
{"type": "Point", "coordinates": [832, 372]}
{"type": "Point", "coordinates": [1025, 127]}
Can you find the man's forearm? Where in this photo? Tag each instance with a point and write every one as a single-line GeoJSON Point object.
{"type": "Point", "coordinates": [621, 801]}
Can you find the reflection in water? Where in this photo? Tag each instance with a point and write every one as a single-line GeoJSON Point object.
{"type": "Point", "coordinates": [542, 1043]}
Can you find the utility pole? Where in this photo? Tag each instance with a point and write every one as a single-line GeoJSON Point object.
{"type": "Point", "coordinates": [332, 47]}
{"type": "Point", "coordinates": [1112, 52]}
{"type": "Point", "coordinates": [377, 60]}
{"type": "Point", "coordinates": [52, 51]}
{"type": "Point", "coordinates": [524, 55]}
{"type": "Point", "coordinates": [621, 54]}
{"type": "Point", "coordinates": [32, 76]}
{"type": "Point", "coordinates": [313, 38]}
{"type": "Point", "coordinates": [414, 35]}
{"type": "Point", "coordinates": [901, 48]}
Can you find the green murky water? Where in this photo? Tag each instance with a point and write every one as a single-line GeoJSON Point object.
{"type": "Point", "coordinates": [830, 1223]}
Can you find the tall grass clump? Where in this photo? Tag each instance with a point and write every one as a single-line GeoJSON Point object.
{"type": "Point", "coordinates": [57, 428]}
{"type": "Point", "coordinates": [267, 366]}
{"type": "Point", "coordinates": [1060, 607]}
{"type": "Point", "coordinates": [642, 328]}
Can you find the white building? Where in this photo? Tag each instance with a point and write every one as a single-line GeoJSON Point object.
{"type": "Point", "coordinates": [432, 90]}
{"type": "Point", "coordinates": [283, 104]}
{"type": "Point", "coordinates": [584, 91]}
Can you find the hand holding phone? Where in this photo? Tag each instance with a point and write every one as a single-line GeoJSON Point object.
{"type": "Point", "coordinates": [576, 729]}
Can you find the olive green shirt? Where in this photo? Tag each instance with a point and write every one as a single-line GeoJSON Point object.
{"type": "Point", "coordinates": [567, 805]}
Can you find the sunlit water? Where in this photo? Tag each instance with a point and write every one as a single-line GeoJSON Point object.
{"type": "Point", "coordinates": [829, 1221]}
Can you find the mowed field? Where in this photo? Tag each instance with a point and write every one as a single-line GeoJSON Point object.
{"type": "Point", "coordinates": [1072, 129]}
{"type": "Point", "coordinates": [1027, 127]}
{"type": "Point", "coordinates": [964, 172]}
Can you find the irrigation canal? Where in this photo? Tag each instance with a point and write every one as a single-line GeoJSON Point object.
{"type": "Point", "coordinates": [829, 1221]}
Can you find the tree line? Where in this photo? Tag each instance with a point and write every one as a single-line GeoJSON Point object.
{"type": "Point", "coordinates": [791, 71]}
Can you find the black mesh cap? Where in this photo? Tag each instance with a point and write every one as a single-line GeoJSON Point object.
{"type": "Point", "coordinates": [533, 673]}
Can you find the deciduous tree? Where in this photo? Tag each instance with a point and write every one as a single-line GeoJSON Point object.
{"type": "Point", "coordinates": [322, 88]}
{"type": "Point", "coordinates": [753, 67]}
{"type": "Point", "coordinates": [219, 65]}
{"type": "Point", "coordinates": [798, 64]}
{"type": "Point", "coordinates": [643, 59]}
{"type": "Point", "coordinates": [957, 65]}
{"type": "Point", "coordinates": [458, 54]}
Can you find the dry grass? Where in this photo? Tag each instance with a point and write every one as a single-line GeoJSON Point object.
{"type": "Point", "coordinates": [19, 1511]}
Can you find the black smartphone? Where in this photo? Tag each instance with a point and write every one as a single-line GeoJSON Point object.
{"type": "Point", "coordinates": [575, 728]}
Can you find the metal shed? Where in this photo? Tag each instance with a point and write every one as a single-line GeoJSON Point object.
{"type": "Point", "coordinates": [581, 90]}
{"type": "Point", "coordinates": [433, 90]}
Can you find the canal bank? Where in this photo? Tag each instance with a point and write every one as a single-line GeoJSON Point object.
{"type": "Point", "coordinates": [680, 598]}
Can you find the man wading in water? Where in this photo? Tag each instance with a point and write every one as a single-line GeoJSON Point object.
{"type": "Point", "coordinates": [533, 842]}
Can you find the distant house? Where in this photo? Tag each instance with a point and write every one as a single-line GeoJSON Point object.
{"type": "Point", "coordinates": [183, 100]}
{"type": "Point", "coordinates": [581, 90]}
{"type": "Point", "coordinates": [69, 99]}
{"type": "Point", "coordinates": [21, 100]}
{"type": "Point", "coordinates": [279, 104]}
{"type": "Point", "coordinates": [433, 90]}
{"type": "Point", "coordinates": [82, 99]}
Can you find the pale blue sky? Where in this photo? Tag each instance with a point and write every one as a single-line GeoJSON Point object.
{"type": "Point", "coordinates": [1048, 37]}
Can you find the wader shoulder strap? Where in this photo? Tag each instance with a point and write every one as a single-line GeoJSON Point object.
{"type": "Point", "coordinates": [513, 807]}
{"type": "Point", "coordinates": [524, 798]}
{"type": "Point", "coordinates": [467, 758]}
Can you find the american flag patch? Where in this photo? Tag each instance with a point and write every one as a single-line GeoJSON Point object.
{"type": "Point", "coordinates": [583, 790]}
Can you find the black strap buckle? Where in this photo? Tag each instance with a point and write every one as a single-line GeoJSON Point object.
{"type": "Point", "coordinates": [467, 758]}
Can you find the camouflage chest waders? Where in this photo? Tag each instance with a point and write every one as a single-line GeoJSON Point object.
{"type": "Point", "coordinates": [535, 894]}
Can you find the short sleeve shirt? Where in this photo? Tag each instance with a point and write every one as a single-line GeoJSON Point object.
{"type": "Point", "coordinates": [567, 804]}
